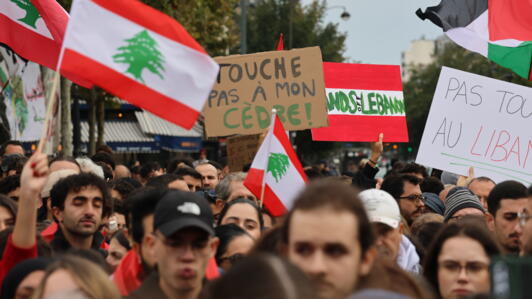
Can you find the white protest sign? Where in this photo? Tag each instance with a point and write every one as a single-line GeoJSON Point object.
{"type": "Point", "coordinates": [480, 122]}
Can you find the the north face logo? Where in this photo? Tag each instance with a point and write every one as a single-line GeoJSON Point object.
{"type": "Point", "coordinates": [189, 208]}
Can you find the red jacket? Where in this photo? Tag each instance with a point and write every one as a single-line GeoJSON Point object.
{"type": "Point", "coordinates": [13, 255]}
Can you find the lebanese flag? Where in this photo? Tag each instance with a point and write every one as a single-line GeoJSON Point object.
{"type": "Point", "coordinates": [140, 55]}
{"type": "Point", "coordinates": [363, 101]}
{"type": "Point", "coordinates": [501, 30]}
{"type": "Point", "coordinates": [24, 31]}
{"type": "Point", "coordinates": [277, 168]}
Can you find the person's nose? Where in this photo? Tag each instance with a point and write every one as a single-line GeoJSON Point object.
{"type": "Point", "coordinates": [3, 226]}
{"type": "Point", "coordinates": [462, 275]}
{"type": "Point", "coordinates": [187, 254]}
{"type": "Point", "coordinates": [316, 264]}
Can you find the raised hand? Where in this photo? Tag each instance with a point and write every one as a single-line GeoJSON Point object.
{"type": "Point", "coordinates": [34, 175]}
{"type": "Point", "coordinates": [377, 149]}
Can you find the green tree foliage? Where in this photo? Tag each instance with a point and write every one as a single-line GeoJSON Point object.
{"type": "Point", "coordinates": [278, 164]}
{"type": "Point", "coordinates": [141, 52]}
{"type": "Point", "coordinates": [419, 89]}
{"type": "Point", "coordinates": [32, 14]}
{"type": "Point", "coordinates": [268, 18]}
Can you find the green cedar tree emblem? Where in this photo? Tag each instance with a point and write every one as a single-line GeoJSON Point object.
{"type": "Point", "coordinates": [32, 14]}
{"type": "Point", "coordinates": [278, 164]}
{"type": "Point", "coordinates": [141, 52]}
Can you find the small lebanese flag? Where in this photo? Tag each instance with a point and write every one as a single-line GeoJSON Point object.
{"type": "Point", "coordinates": [23, 30]}
{"type": "Point", "coordinates": [140, 55]}
{"type": "Point", "coordinates": [363, 101]}
{"type": "Point", "coordinates": [277, 168]}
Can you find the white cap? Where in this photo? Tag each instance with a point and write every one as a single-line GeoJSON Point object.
{"type": "Point", "coordinates": [381, 207]}
{"type": "Point", "coordinates": [53, 178]}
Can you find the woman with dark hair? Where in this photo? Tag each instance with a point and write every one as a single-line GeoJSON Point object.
{"type": "Point", "coordinates": [24, 278]}
{"type": "Point", "coordinates": [457, 263]}
{"type": "Point", "coordinates": [234, 245]}
{"type": "Point", "coordinates": [262, 276]}
{"type": "Point", "coordinates": [244, 213]}
{"type": "Point", "coordinates": [8, 212]}
{"type": "Point", "coordinates": [118, 247]}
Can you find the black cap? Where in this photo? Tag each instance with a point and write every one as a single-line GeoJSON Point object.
{"type": "Point", "coordinates": [179, 209]}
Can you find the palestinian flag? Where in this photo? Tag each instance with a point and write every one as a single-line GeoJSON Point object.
{"type": "Point", "coordinates": [140, 55]}
{"type": "Point", "coordinates": [501, 30]}
{"type": "Point", "coordinates": [277, 169]}
{"type": "Point", "coordinates": [363, 101]}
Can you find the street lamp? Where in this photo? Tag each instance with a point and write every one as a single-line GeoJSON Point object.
{"type": "Point", "coordinates": [345, 14]}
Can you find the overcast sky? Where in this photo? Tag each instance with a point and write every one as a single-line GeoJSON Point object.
{"type": "Point", "coordinates": [379, 30]}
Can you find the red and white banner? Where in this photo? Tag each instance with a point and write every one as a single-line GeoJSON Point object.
{"type": "Point", "coordinates": [363, 100]}
{"type": "Point", "coordinates": [140, 55]}
{"type": "Point", "coordinates": [277, 168]}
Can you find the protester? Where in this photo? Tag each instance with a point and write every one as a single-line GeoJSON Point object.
{"type": "Point", "coordinates": [244, 213]}
{"type": "Point", "coordinates": [10, 187]}
{"type": "Point", "coordinates": [182, 243]}
{"type": "Point", "coordinates": [8, 212]}
{"type": "Point", "coordinates": [481, 187]}
{"type": "Point", "coordinates": [75, 277]}
{"type": "Point", "coordinates": [414, 169]}
{"type": "Point", "coordinates": [177, 163]}
{"type": "Point", "coordinates": [190, 176]}
{"type": "Point", "coordinates": [431, 185]}
{"type": "Point", "coordinates": [405, 189]}
{"type": "Point", "coordinates": [105, 158]}
{"type": "Point", "coordinates": [12, 165]}
{"type": "Point", "coordinates": [11, 147]}
{"type": "Point", "coordinates": [121, 188]}
{"type": "Point", "coordinates": [460, 202]}
{"type": "Point", "coordinates": [433, 203]}
{"type": "Point", "coordinates": [232, 187]}
{"type": "Point", "coordinates": [328, 235]}
{"type": "Point", "coordinates": [64, 162]}
{"type": "Point", "coordinates": [168, 180]}
{"type": "Point", "coordinates": [149, 170]}
{"type": "Point", "coordinates": [138, 262]}
{"type": "Point", "coordinates": [209, 175]}
{"type": "Point", "coordinates": [505, 201]}
{"type": "Point", "coordinates": [24, 278]}
{"type": "Point", "coordinates": [365, 178]}
{"type": "Point", "coordinates": [234, 245]}
{"type": "Point", "coordinates": [383, 212]}
{"type": "Point", "coordinates": [121, 171]}
{"type": "Point", "coordinates": [262, 276]}
{"type": "Point", "coordinates": [118, 248]}
{"type": "Point", "coordinates": [457, 263]}
{"type": "Point", "coordinates": [79, 203]}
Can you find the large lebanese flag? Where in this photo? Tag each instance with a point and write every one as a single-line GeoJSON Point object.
{"type": "Point", "coordinates": [140, 55]}
{"type": "Point", "coordinates": [501, 30]}
{"type": "Point", "coordinates": [363, 101]}
{"type": "Point", "coordinates": [277, 168]}
{"type": "Point", "coordinates": [23, 30]}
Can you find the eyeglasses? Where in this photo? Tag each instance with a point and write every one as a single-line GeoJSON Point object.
{"type": "Point", "coordinates": [523, 217]}
{"type": "Point", "coordinates": [455, 267]}
{"type": "Point", "coordinates": [414, 197]}
{"type": "Point", "coordinates": [233, 259]}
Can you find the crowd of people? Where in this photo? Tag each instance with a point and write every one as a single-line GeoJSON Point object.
{"type": "Point", "coordinates": [93, 228]}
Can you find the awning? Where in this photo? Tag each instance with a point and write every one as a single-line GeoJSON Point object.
{"type": "Point", "coordinates": [169, 136]}
{"type": "Point", "coordinates": [124, 137]}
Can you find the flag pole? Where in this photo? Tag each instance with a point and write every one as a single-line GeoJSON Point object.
{"type": "Point", "coordinates": [272, 124]}
{"type": "Point", "coordinates": [49, 112]}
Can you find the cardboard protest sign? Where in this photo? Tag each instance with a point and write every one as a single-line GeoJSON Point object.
{"type": "Point", "coordinates": [249, 86]}
{"type": "Point", "coordinates": [363, 100]}
{"type": "Point", "coordinates": [480, 122]}
{"type": "Point", "coordinates": [241, 150]}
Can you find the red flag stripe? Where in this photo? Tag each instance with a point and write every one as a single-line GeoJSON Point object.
{"type": "Point", "coordinates": [151, 19]}
{"type": "Point", "coordinates": [34, 47]}
{"type": "Point", "coordinates": [130, 90]}
{"type": "Point", "coordinates": [253, 182]}
{"type": "Point", "coordinates": [510, 19]}
{"type": "Point", "coordinates": [367, 127]}
{"type": "Point", "coordinates": [273, 203]}
{"type": "Point", "coordinates": [362, 76]}
{"type": "Point", "coordinates": [55, 17]}
{"type": "Point", "coordinates": [280, 133]}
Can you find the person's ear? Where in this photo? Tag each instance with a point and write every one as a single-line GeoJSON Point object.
{"type": "Point", "coordinates": [490, 221]}
{"type": "Point", "coordinates": [366, 264]}
{"type": "Point", "coordinates": [214, 245]}
{"type": "Point", "coordinates": [219, 203]}
{"type": "Point", "coordinates": [401, 227]}
{"type": "Point", "coordinates": [150, 240]}
{"type": "Point", "coordinates": [58, 214]}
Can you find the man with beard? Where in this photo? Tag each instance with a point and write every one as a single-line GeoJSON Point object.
{"type": "Point", "coordinates": [406, 190]}
{"type": "Point", "coordinates": [79, 205]}
{"type": "Point", "coordinates": [505, 202]}
{"type": "Point", "coordinates": [328, 235]}
{"type": "Point", "coordinates": [182, 243]}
